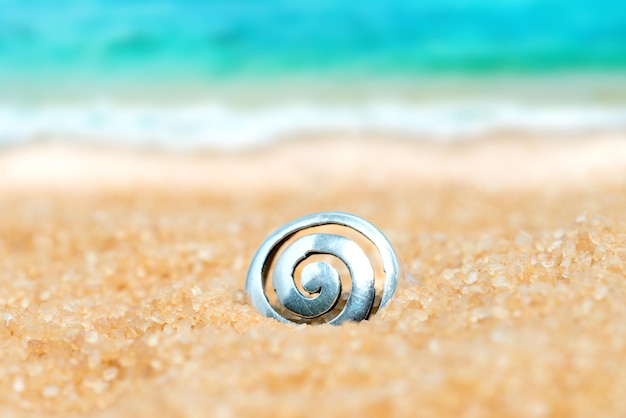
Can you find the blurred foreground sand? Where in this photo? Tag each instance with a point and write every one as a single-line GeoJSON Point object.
{"type": "Point", "coordinates": [122, 281]}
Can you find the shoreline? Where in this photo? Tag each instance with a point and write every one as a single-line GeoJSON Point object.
{"type": "Point", "coordinates": [212, 125]}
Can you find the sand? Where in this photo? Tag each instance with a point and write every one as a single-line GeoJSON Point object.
{"type": "Point", "coordinates": [122, 280]}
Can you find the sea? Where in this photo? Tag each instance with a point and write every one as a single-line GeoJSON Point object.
{"type": "Point", "coordinates": [236, 74]}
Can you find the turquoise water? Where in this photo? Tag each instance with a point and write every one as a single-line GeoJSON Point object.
{"type": "Point", "coordinates": [96, 40]}
{"type": "Point", "coordinates": [152, 72]}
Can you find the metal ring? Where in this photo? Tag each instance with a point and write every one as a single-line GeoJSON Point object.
{"type": "Point", "coordinates": [319, 279]}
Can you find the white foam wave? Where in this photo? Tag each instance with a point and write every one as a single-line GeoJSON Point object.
{"type": "Point", "coordinates": [216, 126]}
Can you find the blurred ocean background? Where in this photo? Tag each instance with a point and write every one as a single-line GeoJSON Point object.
{"type": "Point", "coordinates": [230, 74]}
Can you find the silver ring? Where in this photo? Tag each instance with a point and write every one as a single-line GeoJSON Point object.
{"type": "Point", "coordinates": [320, 295]}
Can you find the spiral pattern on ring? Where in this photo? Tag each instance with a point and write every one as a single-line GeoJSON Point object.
{"type": "Point", "coordinates": [319, 279]}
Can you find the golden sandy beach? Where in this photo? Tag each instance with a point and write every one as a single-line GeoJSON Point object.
{"type": "Point", "coordinates": [122, 278]}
